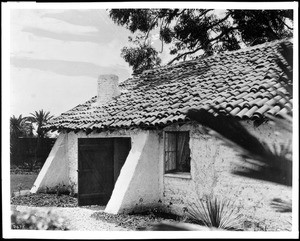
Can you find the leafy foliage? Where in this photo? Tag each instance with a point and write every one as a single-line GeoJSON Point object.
{"type": "Point", "coordinates": [19, 127]}
{"type": "Point", "coordinates": [269, 25]}
{"type": "Point", "coordinates": [215, 212]}
{"type": "Point", "coordinates": [40, 118]}
{"type": "Point", "coordinates": [33, 220]}
{"type": "Point", "coordinates": [142, 57]}
{"type": "Point", "coordinates": [198, 31]}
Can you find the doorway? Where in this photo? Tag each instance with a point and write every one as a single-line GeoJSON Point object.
{"type": "Point", "coordinates": [100, 161]}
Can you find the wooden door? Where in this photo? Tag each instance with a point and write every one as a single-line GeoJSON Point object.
{"type": "Point", "coordinates": [99, 161]}
{"type": "Point", "coordinates": [122, 147]}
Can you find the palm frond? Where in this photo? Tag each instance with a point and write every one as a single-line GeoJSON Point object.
{"type": "Point", "coordinates": [40, 118]}
{"type": "Point", "coordinates": [273, 163]}
{"type": "Point", "coordinates": [285, 123]}
{"type": "Point", "coordinates": [230, 128]}
{"type": "Point", "coordinates": [281, 205]}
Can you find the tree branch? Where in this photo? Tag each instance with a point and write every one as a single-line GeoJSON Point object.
{"type": "Point", "coordinates": [152, 24]}
{"type": "Point", "coordinates": [220, 21]}
{"type": "Point", "coordinates": [223, 33]}
{"type": "Point", "coordinates": [162, 42]}
{"type": "Point", "coordinates": [205, 12]}
{"type": "Point", "coordinates": [197, 49]}
{"type": "Point", "coordinates": [290, 28]}
{"type": "Point", "coordinates": [184, 54]}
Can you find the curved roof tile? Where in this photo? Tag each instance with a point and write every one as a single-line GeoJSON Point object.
{"type": "Point", "coordinates": [244, 83]}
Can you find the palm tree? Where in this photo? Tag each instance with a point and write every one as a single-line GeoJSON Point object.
{"type": "Point", "coordinates": [16, 126]}
{"type": "Point", "coordinates": [40, 118]}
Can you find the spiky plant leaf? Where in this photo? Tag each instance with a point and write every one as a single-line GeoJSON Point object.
{"type": "Point", "coordinates": [215, 212]}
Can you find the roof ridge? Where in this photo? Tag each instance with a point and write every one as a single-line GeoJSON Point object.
{"type": "Point", "coordinates": [266, 44]}
{"type": "Point", "coordinates": [262, 45]}
{"type": "Point", "coordinates": [241, 82]}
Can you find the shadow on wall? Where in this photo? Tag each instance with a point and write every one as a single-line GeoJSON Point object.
{"type": "Point", "coordinates": [272, 163]}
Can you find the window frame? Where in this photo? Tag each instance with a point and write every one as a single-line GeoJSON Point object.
{"type": "Point", "coordinates": [176, 171]}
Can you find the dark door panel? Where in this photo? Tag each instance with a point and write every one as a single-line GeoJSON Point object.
{"type": "Point", "coordinates": [99, 163]}
{"type": "Point", "coordinates": [122, 147]}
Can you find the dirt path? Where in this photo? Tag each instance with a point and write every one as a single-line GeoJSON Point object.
{"type": "Point", "coordinates": [77, 218]}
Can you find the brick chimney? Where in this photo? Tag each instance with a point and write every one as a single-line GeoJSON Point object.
{"type": "Point", "coordinates": [107, 88]}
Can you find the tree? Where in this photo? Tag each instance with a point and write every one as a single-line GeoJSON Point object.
{"type": "Point", "coordinates": [142, 57]}
{"type": "Point", "coordinates": [194, 32]}
{"type": "Point", "coordinates": [40, 118]}
{"type": "Point", "coordinates": [23, 127]}
{"type": "Point", "coordinates": [19, 127]}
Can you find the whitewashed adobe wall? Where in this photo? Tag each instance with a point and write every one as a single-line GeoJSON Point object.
{"type": "Point", "coordinates": [142, 182]}
{"type": "Point", "coordinates": [138, 185]}
{"type": "Point", "coordinates": [139, 182]}
{"type": "Point", "coordinates": [211, 166]}
{"type": "Point", "coordinates": [55, 170]}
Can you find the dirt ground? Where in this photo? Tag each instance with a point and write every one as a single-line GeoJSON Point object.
{"type": "Point", "coordinates": [77, 219]}
{"type": "Point", "coordinates": [80, 217]}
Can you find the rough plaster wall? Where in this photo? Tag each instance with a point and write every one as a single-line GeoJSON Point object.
{"type": "Point", "coordinates": [55, 169]}
{"type": "Point", "coordinates": [142, 180]}
{"type": "Point", "coordinates": [137, 187]}
{"type": "Point", "coordinates": [176, 191]}
{"type": "Point", "coordinates": [72, 160]}
{"type": "Point", "coordinates": [211, 166]}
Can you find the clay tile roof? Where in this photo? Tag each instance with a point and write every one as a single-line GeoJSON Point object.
{"type": "Point", "coordinates": [242, 82]}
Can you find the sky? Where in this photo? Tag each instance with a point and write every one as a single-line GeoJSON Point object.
{"type": "Point", "coordinates": [56, 57]}
{"type": "Point", "coordinates": [57, 54]}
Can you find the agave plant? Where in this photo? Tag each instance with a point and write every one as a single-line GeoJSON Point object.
{"type": "Point", "coordinates": [215, 212]}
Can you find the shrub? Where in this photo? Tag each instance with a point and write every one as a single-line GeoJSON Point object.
{"type": "Point", "coordinates": [215, 212]}
{"type": "Point", "coordinates": [61, 189]}
{"type": "Point", "coordinates": [33, 220]}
